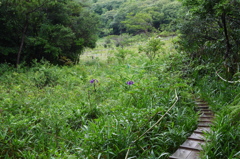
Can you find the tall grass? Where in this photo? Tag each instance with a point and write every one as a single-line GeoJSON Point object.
{"type": "Point", "coordinates": [50, 111]}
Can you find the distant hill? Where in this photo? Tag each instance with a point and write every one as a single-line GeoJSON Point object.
{"type": "Point", "coordinates": [136, 16]}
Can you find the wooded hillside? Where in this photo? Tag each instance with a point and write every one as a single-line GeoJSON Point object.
{"type": "Point", "coordinates": [136, 16]}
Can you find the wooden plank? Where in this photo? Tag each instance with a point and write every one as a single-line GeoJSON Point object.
{"type": "Point", "coordinates": [197, 139]}
{"type": "Point", "coordinates": [204, 125]}
{"type": "Point", "coordinates": [193, 155]}
{"type": "Point", "coordinates": [192, 145]}
{"type": "Point", "coordinates": [189, 148]}
{"type": "Point", "coordinates": [206, 116]}
{"type": "Point", "coordinates": [198, 132]}
{"type": "Point", "coordinates": [197, 136]}
{"type": "Point", "coordinates": [203, 129]}
{"type": "Point", "coordinates": [205, 122]}
{"type": "Point", "coordinates": [172, 157]}
{"type": "Point", "coordinates": [181, 153]}
{"type": "Point", "coordinates": [203, 106]}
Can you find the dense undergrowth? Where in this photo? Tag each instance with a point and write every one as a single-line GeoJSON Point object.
{"type": "Point", "coordinates": [109, 106]}
{"type": "Point", "coordinates": [61, 112]}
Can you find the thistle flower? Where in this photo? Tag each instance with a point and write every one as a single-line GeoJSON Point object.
{"type": "Point", "coordinates": [130, 82]}
{"type": "Point", "coordinates": [93, 81]}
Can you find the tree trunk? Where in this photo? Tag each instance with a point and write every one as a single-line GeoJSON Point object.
{"type": "Point", "coordinates": [25, 30]}
{"type": "Point", "coordinates": [22, 41]}
{"type": "Point", "coordinates": [228, 49]}
{"type": "Point", "coordinates": [228, 55]}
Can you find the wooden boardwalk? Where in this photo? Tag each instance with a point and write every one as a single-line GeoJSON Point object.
{"type": "Point", "coordinates": [193, 145]}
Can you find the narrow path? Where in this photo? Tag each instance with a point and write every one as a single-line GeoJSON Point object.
{"type": "Point", "coordinates": [193, 145]}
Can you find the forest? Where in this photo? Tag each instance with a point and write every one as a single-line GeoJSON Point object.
{"type": "Point", "coordinates": [117, 79]}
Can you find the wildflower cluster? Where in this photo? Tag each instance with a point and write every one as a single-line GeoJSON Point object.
{"type": "Point", "coordinates": [130, 82]}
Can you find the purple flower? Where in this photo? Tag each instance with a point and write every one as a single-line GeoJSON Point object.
{"type": "Point", "coordinates": [93, 80]}
{"type": "Point", "coordinates": [130, 82]}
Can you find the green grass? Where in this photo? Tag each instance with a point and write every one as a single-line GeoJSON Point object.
{"type": "Point", "coordinates": [50, 111]}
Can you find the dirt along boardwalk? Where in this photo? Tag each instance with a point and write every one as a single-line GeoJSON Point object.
{"type": "Point", "coordinates": [193, 145]}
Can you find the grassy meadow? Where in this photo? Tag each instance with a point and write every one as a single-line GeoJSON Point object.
{"type": "Point", "coordinates": [116, 103]}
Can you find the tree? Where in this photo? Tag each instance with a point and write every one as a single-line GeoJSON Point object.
{"type": "Point", "coordinates": [216, 24]}
{"type": "Point", "coordinates": [140, 22]}
{"type": "Point", "coordinates": [45, 29]}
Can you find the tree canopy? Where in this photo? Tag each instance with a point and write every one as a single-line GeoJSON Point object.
{"type": "Point", "coordinates": [54, 30]}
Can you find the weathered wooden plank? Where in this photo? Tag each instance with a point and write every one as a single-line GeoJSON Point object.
{"type": "Point", "coordinates": [197, 136]}
{"type": "Point", "coordinates": [208, 115]}
{"type": "Point", "coordinates": [192, 145]}
{"type": "Point", "coordinates": [206, 120]}
{"type": "Point", "coordinates": [181, 153]}
{"type": "Point", "coordinates": [203, 129]}
{"type": "Point", "coordinates": [205, 123]}
{"type": "Point", "coordinates": [193, 155]}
